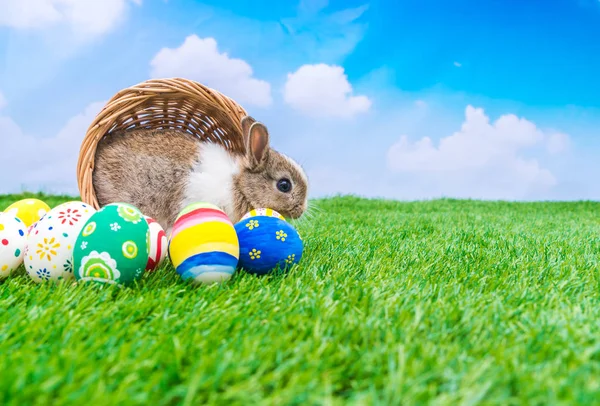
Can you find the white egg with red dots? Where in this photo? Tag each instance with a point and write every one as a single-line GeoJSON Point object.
{"type": "Point", "coordinates": [12, 244]}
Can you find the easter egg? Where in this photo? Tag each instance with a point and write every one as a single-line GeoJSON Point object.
{"type": "Point", "coordinates": [28, 210]}
{"type": "Point", "coordinates": [262, 212]}
{"type": "Point", "coordinates": [113, 246]}
{"type": "Point", "coordinates": [204, 246]}
{"type": "Point", "coordinates": [267, 243]}
{"type": "Point", "coordinates": [12, 244]}
{"type": "Point", "coordinates": [158, 244]}
{"type": "Point", "coordinates": [50, 243]}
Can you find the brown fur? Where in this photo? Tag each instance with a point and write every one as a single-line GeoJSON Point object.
{"type": "Point", "coordinates": [146, 168]}
{"type": "Point", "coordinates": [151, 169]}
{"type": "Point", "coordinates": [256, 184]}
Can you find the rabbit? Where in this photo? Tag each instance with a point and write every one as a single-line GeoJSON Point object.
{"type": "Point", "coordinates": [162, 171]}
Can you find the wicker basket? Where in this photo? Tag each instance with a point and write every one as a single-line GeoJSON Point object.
{"type": "Point", "coordinates": [161, 104]}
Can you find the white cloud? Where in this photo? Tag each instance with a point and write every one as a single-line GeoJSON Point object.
{"type": "Point", "coordinates": [323, 90]}
{"type": "Point", "coordinates": [36, 14]}
{"type": "Point", "coordinates": [481, 160]}
{"type": "Point", "coordinates": [457, 64]}
{"type": "Point", "coordinates": [2, 101]}
{"type": "Point", "coordinates": [558, 142]}
{"type": "Point", "coordinates": [318, 35]}
{"type": "Point", "coordinates": [86, 18]}
{"type": "Point", "coordinates": [200, 60]}
{"type": "Point", "coordinates": [43, 164]}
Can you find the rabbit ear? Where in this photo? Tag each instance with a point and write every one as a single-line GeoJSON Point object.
{"type": "Point", "coordinates": [246, 122]}
{"type": "Point", "coordinates": [258, 144]}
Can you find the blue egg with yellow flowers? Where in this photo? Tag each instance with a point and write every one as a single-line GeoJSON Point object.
{"type": "Point", "coordinates": [267, 243]}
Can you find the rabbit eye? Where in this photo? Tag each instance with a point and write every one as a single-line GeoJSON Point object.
{"type": "Point", "coordinates": [284, 185]}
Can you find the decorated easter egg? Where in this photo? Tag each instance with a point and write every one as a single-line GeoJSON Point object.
{"type": "Point", "coordinates": [113, 246]}
{"type": "Point", "coordinates": [204, 246]}
{"type": "Point", "coordinates": [28, 210]}
{"type": "Point", "coordinates": [12, 244]}
{"type": "Point", "coordinates": [262, 212]}
{"type": "Point", "coordinates": [158, 244]}
{"type": "Point", "coordinates": [267, 243]}
{"type": "Point", "coordinates": [51, 241]}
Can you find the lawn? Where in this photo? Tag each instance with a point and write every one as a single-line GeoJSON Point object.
{"type": "Point", "coordinates": [443, 302]}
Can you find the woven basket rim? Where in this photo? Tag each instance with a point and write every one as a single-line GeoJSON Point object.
{"type": "Point", "coordinates": [184, 103]}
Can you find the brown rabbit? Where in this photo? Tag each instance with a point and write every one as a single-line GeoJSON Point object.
{"type": "Point", "coordinates": [162, 171]}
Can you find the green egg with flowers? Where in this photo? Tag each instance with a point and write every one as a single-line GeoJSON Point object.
{"type": "Point", "coordinates": [113, 246]}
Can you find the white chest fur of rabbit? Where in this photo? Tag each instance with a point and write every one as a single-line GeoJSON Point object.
{"type": "Point", "coordinates": [162, 171]}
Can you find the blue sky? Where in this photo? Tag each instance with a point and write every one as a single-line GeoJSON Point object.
{"type": "Point", "coordinates": [540, 53]}
{"type": "Point", "coordinates": [428, 81]}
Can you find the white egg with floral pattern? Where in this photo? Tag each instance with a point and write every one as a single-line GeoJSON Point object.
{"type": "Point", "coordinates": [49, 255]}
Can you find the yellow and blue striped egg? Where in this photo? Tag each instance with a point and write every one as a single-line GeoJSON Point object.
{"type": "Point", "coordinates": [204, 246]}
{"type": "Point", "coordinates": [267, 243]}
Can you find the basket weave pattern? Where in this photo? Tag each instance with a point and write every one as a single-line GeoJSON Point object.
{"type": "Point", "coordinates": [161, 104]}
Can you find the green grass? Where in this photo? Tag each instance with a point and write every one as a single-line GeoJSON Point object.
{"type": "Point", "coordinates": [443, 302]}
